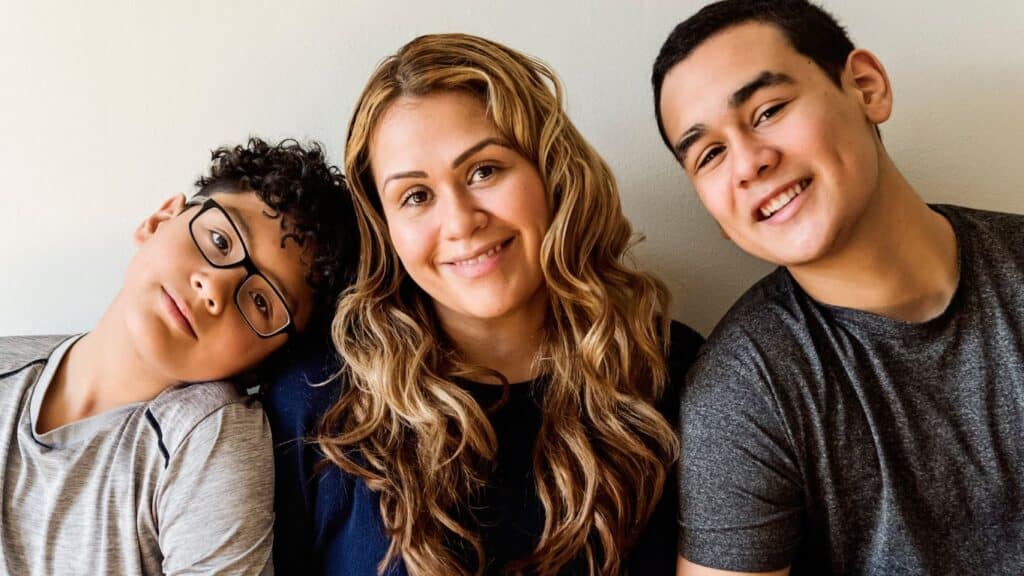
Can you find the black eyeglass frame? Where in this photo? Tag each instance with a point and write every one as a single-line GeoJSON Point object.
{"type": "Point", "coordinates": [246, 262]}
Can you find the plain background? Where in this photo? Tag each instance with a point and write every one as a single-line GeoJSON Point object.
{"type": "Point", "coordinates": [107, 108]}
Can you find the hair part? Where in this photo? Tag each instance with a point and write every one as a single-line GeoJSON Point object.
{"type": "Point", "coordinates": [404, 425]}
{"type": "Point", "coordinates": [808, 28]}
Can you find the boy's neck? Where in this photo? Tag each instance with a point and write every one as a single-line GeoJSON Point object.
{"type": "Point", "coordinates": [100, 372]}
{"type": "Point", "coordinates": [900, 261]}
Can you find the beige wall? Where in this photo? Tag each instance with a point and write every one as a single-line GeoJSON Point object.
{"type": "Point", "coordinates": [106, 108]}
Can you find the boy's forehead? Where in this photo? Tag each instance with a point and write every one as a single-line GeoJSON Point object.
{"type": "Point", "coordinates": [247, 204]}
{"type": "Point", "coordinates": [280, 258]}
{"type": "Point", "coordinates": [256, 220]}
{"type": "Point", "coordinates": [703, 82]}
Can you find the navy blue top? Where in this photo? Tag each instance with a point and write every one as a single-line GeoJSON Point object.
{"type": "Point", "coordinates": [329, 521]}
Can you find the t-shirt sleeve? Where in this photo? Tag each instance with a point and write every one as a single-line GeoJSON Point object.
{"type": "Point", "coordinates": [740, 493]}
{"type": "Point", "coordinates": [215, 505]}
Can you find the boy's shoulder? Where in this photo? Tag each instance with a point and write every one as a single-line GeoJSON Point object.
{"type": "Point", "coordinates": [760, 314]}
{"type": "Point", "coordinates": [177, 411]}
{"type": "Point", "coordinates": [981, 216]}
{"type": "Point", "coordinates": [992, 231]}
{"type": "Point", "coordinates": [17, 352]}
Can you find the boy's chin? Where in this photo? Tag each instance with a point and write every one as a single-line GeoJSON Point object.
{"type": "Point", "coordinates": [793, 250]}
{"type": "Point", "coordinates": [172, 356]}
{"type": "Point", "coordinates": [162, 352]}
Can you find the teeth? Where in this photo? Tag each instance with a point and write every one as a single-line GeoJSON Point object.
{"type": "Point", "coordinates": [779, 202]}
{"type": "Point", "coordinates": [480, 258]}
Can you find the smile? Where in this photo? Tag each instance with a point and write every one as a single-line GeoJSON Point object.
{"type": "Point", "coordinates": [480, 263]}
{"type": "Point", "coordinates": [782, 199]}
{"type": "Point", "coordinates": [483, 256]}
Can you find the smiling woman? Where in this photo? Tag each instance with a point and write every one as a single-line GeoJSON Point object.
{"type": "Point", "coordinates": [467, 222]}
{"type": "Point", "coordinates": [509, 384]}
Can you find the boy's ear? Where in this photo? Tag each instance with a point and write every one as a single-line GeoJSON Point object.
{"type": "Point", "coordinates": [871, 85]}
{"type": "Point", "coordinates": [169, 209]}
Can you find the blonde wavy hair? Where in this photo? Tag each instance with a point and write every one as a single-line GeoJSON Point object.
{"type": "Point", "coordinates": [418, 439]}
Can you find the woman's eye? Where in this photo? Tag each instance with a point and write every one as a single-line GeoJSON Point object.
{"type": "Point", "coordinates": [708, 156]}
{"type": "Point", "coordinates": [415, 198]}
{"type": "Point", "coordinates": [482, 173]}
{"type": "Point", "coordinates": [770, 112]}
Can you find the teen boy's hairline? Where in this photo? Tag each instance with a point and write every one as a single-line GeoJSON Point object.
{"type": "Point", "coordinates": [790, 18]}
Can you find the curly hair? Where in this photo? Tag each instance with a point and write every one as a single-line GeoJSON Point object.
{"type": "Point", "coordinates": [308, 194]}
{"type": "Point", "coordinates": [403, 423]}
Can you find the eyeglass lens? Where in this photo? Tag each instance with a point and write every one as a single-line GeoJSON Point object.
{"type": "Point", "coordinates": [218, 240]}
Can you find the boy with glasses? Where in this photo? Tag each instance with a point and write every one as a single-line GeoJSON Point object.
{"type": "Point", "coordinates": [123, 450]}
{"type": "Point", "coordinates": [861, 409]}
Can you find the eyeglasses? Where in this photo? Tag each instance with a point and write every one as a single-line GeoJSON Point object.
{"type": "Point", "coordinates": [218, 240]}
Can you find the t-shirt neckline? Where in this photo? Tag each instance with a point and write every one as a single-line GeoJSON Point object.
{"type": "Point", "coordinates": [73, 432]}
{"type": "Point", "coordinates": [891, 326]}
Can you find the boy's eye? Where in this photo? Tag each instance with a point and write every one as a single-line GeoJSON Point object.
{"type": "Point", "coordinates": [220, 241]}
{"type": "Point", "coordinates": [481, 173]}
{"type": "Point", "coordinates": [261, 303]}
{"type": "Point", "coordinates": [708, 156]}
{"type": "Point", "coordinates": [770, 113]}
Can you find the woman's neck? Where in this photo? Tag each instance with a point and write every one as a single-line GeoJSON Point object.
{"type": "Point", "coordinates": [508, 344]}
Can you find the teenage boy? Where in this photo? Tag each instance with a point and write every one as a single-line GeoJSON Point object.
{"type": "Point", "coordinates": [861, 409]}
{"type": "Point", "coordinates": [123, 451]}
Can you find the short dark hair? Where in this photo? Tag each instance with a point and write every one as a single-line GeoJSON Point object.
{"type": "Point", "coordinates": [811, 31]}
{"type": "Point", "coordinates": [312, 200]}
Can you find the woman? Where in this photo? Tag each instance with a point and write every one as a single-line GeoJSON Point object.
{"type": "Point", "coordinates": [505, 402]}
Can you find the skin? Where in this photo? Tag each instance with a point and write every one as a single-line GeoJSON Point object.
{"type": "Point", "coordinates": [140, 346]}
{"type": "Point", "coordinates": [453, 188]}
{"type": "Point", "coordinates": [763, 117]}
{"type": "Point", "coordinates": [858, 236]}
{"type": "Point", "coordinates": [686, 568]}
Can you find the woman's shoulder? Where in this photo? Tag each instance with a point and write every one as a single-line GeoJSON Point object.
{"type": "Point", "coordinates": [684, 343]}
{"type": "Point", "coordinates": [327, 519]}
{"type": "Point", "coordinates": [301, 392]}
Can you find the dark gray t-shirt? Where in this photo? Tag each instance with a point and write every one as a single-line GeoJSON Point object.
{"type": "Point", "coordinates": [839, 441]}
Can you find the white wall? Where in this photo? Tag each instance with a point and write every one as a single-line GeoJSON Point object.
{"type": "Point", "coordinates": [106, 108]}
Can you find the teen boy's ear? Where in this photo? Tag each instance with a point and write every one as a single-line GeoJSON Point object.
{"type": "Point", "coordinates": [871, 83]}
{"type": "Point", "coordinates": [169, 209]}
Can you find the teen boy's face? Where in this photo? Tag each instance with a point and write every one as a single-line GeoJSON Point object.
{"type": "Point", "coordinates": [783, 159]}
{"type": "Point", "coordinates": [180, 310]}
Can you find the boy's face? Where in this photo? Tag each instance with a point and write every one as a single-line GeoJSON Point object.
{"type": "Point", "coordinates": [783, 159]}
{"type": "Point", "coordinates": [181, 311]}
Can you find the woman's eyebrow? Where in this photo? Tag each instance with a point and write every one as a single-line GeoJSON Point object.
{"type": "Point", "coordinates": [492, 140]}
{"type": "Point", "coordinates": [400, 175]}
{"type": "Point", "coordinates": [489, 141]}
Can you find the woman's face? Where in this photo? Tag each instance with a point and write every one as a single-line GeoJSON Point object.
{"type": "Point", "coordinates": [466, 212]}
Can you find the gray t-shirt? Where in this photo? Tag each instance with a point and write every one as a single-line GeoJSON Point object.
{"type": "Point", "coordinates": [181, 484]}
{"type": "Point", "coordinates": [840, 441]}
